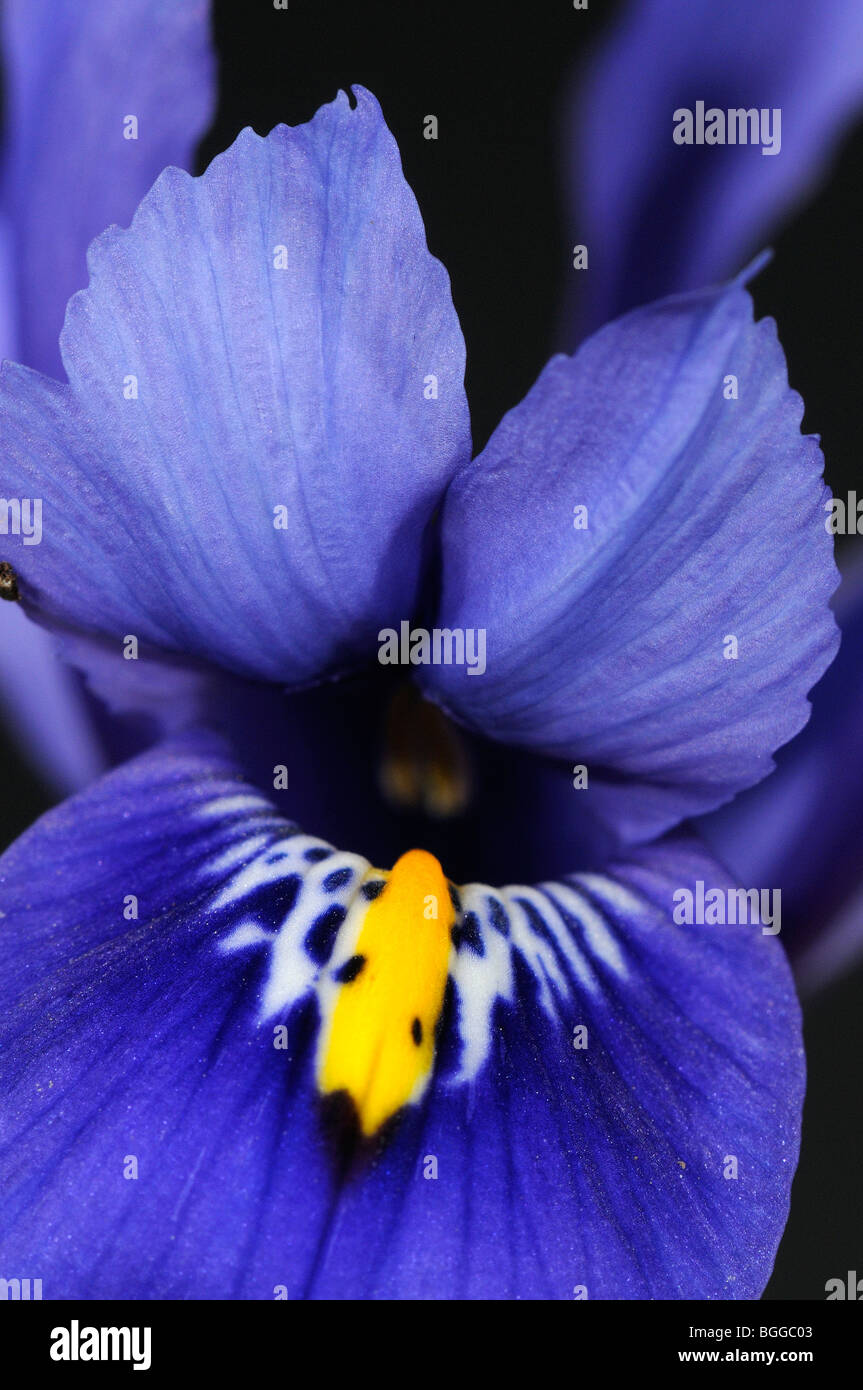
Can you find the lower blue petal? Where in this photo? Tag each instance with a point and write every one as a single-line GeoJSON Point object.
{"type": "Point", "coordinates": [529, 1167]}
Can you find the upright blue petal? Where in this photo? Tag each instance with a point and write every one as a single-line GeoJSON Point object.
{"type": "Point", "coordinates": [642, 542]}
{"type": "Point", "coordinates": [659, 217]}
{"type": "Point", "coordinates": [613, 1109]}
{"type": "Point", "coordinates": [266, 402]}
{"type": "Point", "coordinates": [76, 73]}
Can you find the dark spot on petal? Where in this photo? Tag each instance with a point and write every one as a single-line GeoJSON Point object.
{"type": "Point", "coordinates": [272, 902]}
{"type": "Point", "coordinates": [352, 1153]}
{"type": "Point", "coordinates": [499, 919]}
{"type": "Point", "coordinates": [466, 932]}
{"type": "Point", "coordinates": [446, 1034]}
{"type": "Point", "coordinates": [339, 878]}
{"type": "Point", "coordinates": [316, 854]}
{"type": "Point", "coordinates": [540, 926]}
{"type": "Point", "coordinates": [321, 936]}
{"type": "Point", "coordinates": [350, 970]}
{"type": "Point", "coordinates": [373, 888]}
{"type": "Point", "coordinates": [417, 1031]}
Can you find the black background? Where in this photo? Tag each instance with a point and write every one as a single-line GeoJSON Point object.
{"type": "Point", "coordinates": [490, 190]}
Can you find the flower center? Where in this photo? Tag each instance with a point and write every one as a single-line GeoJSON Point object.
{"type": "Point", "coordinates": [424, 764]}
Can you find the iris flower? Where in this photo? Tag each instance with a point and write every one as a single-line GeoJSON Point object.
{"type": "Point", "coordinates": [264, 1040]}
{"type": "Point", "coordinates": [660, 218]}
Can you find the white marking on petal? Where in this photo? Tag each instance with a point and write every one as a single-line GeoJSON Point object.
{"type": "Point", "coordinates": [614, 893]}
{"type": "Point", "coordinates": [230, 805]}
{"type": "Point", "coordinates": [260, 870]}
{"type": "Point", "coordinates": [246, 934]}
{"type": "Point", "coordinates": [575, 932]}
{"type": "Point", "coordinates": [480, 980]}
{"type": "Point", "coordinates": [293, 971]}
{"type": "Point", "coordinates": [592, 923]}
{"type": "Point", "coordinates": [265, 860]}
{"type": "Point", "coordinates": [552, 919]}
{"type": "Point", "coordinates": [238, 853]}
{"type": "Point", "coordinates": [561, 934]}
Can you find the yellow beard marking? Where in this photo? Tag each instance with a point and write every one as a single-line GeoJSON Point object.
{"type": "Point", "coordinates": [369, 1044]}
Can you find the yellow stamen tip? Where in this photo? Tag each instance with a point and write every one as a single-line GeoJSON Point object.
{"type": "Point", "coordinates": [390, 970]}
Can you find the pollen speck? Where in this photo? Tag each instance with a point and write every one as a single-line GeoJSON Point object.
{"type": "Point", "coordinates": [8, 582]}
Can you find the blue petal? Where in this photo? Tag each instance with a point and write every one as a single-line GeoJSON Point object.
{"type": "Point", "coordinates": [660, 217]}
{"type": "Point", "coordinates": [42, 704]}
{"type": "Point", "coordinates": [152, 1040]}
{"type": "Point", "coordinates": [607, 645]}
{"type": "Point", "coordinates": [75, 71]}
{"type": "Point", "coordinates": [262, 503]}
{"type": "Point", "coordinates": [801, 828]}
{"type": "Point", "coordinates": [8, 306]}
